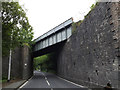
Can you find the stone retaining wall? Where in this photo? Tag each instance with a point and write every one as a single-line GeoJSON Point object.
{"type": "Point", "coordinates": [91, 55]}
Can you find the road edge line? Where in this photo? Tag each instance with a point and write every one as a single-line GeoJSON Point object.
{"type": "Point", "coordinates": [24, 83]}
{"type": "Point", "coordinates": [72, 82]}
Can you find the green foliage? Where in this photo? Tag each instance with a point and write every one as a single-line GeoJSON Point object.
{"type": "Point", "coordinates": [4, 77]}
{"type": "Point", "coordinates": [52, 71]}
{"type": "Point", "coordinates": [16, 29]}
{"type": "Point", "coordinates": [39, 61]}
{"type": "Point", "coordinates": [92, 7]}
{"type": "Point", "coordinates": [45, 63]}
{"type": "Point", "coordinates": [3, 81]}
{"type": "Point", "coordinates": [75, 25]}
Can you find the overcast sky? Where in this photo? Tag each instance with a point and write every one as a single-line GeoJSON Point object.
{"type": "Point", "coordinates": [44, 15]}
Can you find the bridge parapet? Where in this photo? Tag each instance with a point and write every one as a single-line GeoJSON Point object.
{"type": "Point", "coordinates": [58, 34]}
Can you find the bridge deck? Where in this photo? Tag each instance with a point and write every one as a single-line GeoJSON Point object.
{"type": "Point", "coordinates": [56, 35]}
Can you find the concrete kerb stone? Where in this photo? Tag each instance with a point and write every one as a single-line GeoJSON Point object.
{"type": "Point", "coordinates": [24, 83]}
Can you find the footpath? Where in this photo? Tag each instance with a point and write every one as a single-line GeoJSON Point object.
{"type": "Point", "coordinates": [13, 85]}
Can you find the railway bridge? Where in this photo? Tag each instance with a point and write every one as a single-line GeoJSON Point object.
{"type": "Point", "coordinates": [53, 39]}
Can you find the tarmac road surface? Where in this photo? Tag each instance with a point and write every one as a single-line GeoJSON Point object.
{"type": "Point", "coordinates": [47, 81]}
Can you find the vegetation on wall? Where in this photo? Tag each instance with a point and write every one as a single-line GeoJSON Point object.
{"type": "Point", "coordinates": [76, 24]}
{"type": "Point", "coordinates": [91, 8]}
{"type": "Point", "coordinates": [16, 29]}
{"type": "Point", "coordinates": [45, 63]}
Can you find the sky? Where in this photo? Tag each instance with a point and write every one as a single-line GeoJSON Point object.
{"type": "Point", "coordinates": [44, 15]}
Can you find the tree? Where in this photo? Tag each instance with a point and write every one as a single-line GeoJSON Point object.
{"type": "Point", "coordinates": [47, 63]}
{"type": "Point", "coordinates": [16, 29]}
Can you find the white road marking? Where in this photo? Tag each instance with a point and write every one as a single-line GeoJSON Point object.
{"type": "Point", "coordinates": [89, 89]}
{"type": "Point", "coordinates": [30, 78]}
{"type": "Point", "coordinates": [25, 83]}
{"type": "Point", "coordinates": [51, 88]}
{"type": "Point", "coordinates": [46, 78]}
{"type": "Point", "coordinates": [43, 74]}
{"type": "Point", "coordinates": [48, 82]}
{"type": "Point", "coordinates": [72, 82]}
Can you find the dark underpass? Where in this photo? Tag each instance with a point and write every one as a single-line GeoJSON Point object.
{"type": "Point", "coordinates": [46, 63]}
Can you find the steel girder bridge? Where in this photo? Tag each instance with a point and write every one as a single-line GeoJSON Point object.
{"type": "Point", "coordinates": [53, 39]}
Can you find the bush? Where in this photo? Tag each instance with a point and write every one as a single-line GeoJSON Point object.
{"type": "Point", "coordinates": [45, 63]}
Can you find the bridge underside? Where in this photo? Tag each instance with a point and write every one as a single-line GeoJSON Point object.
{"type": "Point", "coordinates": [52, 48]}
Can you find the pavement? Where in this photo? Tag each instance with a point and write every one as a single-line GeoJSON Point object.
{"type": "Point", "coordinates": [47, 81]}
{"type": "Point", "coordinates": [14, 85]}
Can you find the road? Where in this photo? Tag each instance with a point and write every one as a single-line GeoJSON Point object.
{"type": "Point", "coordinates": [47, 81]}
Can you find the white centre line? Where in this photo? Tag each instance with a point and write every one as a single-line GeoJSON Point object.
{"type": "Point", "coordinates": [48, 82]}
{"type": "Point", "coordinates": [46, 78]}
{"type": "Point", "coordinates": [51, 88]}
{"type": "Point", "coordinates": [42, 73]}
